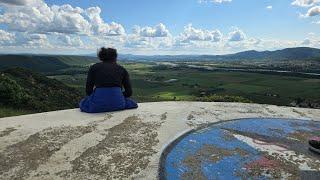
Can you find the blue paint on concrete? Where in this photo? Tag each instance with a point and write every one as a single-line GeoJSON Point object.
{"type": "Point", "coordinates": [270, 126]}
{"type": "Point", "coordinates": [189, 158]}
{"type": "Point", "coordinates": [194, 142]}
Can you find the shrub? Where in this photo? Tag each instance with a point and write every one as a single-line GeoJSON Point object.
{"type": "Point", "coordinates": [12, 93]}
{"type": "Point", "coordinates": [223, 98]}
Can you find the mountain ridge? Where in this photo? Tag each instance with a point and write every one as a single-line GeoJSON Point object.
{"type": "Point", "coordinates": [298, 53]}
{"type": "Point", "coordinates": [44, 63]}
{"type": "Point", "coordinates": [54, 63]}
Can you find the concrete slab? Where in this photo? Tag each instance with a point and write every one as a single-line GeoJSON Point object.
{"type": "Point", "coordinates": [120, 145]}
{"type": "Point", "coordinates": [254, 148]}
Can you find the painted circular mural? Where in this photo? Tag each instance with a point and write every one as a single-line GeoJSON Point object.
{"type": "Point", "coordinates": [242, 149]}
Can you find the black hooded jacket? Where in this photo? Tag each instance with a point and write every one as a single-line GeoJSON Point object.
{"type": "Point", "coordinates": [108, 74]}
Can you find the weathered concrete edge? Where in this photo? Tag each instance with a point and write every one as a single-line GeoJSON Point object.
{"type": "Point", "coordinates": [168, 147]}
{"type": "Point", "coordinates": [151, 103]}
{"type": "Point", "coordinates": [177, 120]}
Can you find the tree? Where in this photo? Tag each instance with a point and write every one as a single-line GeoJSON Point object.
{"type": "Point", "coordinates": [12, 93]}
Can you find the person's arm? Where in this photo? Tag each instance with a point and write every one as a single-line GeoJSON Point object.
{"type": "Point", "coordinates": [127, 85]}
{"type": "Point", "coordinates": [90, 82]}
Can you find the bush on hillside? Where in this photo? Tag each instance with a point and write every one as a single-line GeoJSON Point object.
{"type": "Point", "coordinates": [21, 88]}
{"type": "Point", "coordinates": [223, 98]}
{"type": "Point", "coordinates": [11, 93]}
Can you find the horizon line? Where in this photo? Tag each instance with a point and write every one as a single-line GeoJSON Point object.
{"type": "Point", "coordinates": [91, 54]}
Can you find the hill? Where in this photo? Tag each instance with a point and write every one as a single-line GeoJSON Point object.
{"type": "Point", "coordinates": [44, 63]}
{"type": "Point", "coordinates": [25, 90]}
{"type": "Point", "coordinates": [54, 63]}
{"type": "Point", "coordinates": [299, 53]}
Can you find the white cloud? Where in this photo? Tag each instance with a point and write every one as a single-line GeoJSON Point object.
{"type": "Point", "coordinates": [259, 45]}
{"type": "Point", "coordinates": [38, 17]}
{"type": "Point", "coordinates": [23, 40]}
{"type": "Point", "coordinates": [158, 31]}
{"type": "Point", "coordinates": [38, 36]}
{"type": "Point", "coordinates": [67, 40]}
{"type": "Point", "coordinates": [17, 2]}
{"type": "Point", "coordinates": [193, 40]}
{"type": "Point", "coordinates": [312, 40]}
{"type": "Point", "coordinates": [314, 11]}
{"type": "Point", "coordinates": [137, 41]}
{"type": "Point", "coordinates": [311, 34]}
{"type": "Point", "coordinates": [237, 35]}
{"type": "Point", "coordinates": [305, 3]}
{"type": "Point", "coordinates": [192, 34]}
{"type": "Point", "coordinates": [149, 38]}
{"type": "Point", "coordinates": [214, 1]}
{"type": "Point", "coordinates": [307, 41]}
{"type": "Point", "coordinates": [269, 7]}
{"type": "Point", "coordinates": [33, 39]}
{"type": "Point", "coordinates": [99, 27]}
{"type": "Point", "coordinates": [32, 24]}
{"type": "Point", "coordinates": [6, 37]}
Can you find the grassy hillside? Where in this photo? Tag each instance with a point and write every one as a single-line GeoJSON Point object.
{"type": "Point", "coordinates": [298, 53]}
{"type": "Point", "coordinates": [77, 60]}
{"type": "Point", "coordinates": [43, 63]}
{"type": "Point", "coordinates": [25, 91]}
{"type": "Point", "coordinates": [151, 83]}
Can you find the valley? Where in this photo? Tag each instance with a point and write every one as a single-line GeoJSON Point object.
{"type": "Point", "coordinates": [279, 82]}
{"type": "Point", "coordinates": [158, 82]}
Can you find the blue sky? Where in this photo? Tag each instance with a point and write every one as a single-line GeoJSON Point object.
{"type": "Point", "coordinates": [250, 15]}
{"type": "Point", "coordinates": [157, 27]}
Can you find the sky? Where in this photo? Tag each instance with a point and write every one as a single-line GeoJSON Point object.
{"type": "Point", "coordinates": [154, 27]}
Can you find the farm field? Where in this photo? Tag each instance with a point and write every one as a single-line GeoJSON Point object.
{"type": "Point", "coordinates": [153, 82]}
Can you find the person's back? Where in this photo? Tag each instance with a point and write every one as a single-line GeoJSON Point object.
{"type": "Point", "coordinates": [104, 85]}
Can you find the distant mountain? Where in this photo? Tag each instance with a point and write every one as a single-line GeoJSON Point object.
{"type": "Point", "coordinates": [52, 63]}
{"type": "Point", "coordinates": [299, 53]}
{"type": "Point", "coordinates": [44, 63]}
{"type": "Point", "coordinates": [23, 89]}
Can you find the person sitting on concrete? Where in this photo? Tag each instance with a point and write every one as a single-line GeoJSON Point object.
{"type": "Point", "coordinates": [108, 85]}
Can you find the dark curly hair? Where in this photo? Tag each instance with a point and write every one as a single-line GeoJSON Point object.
{"type": "Point", "coordinates": [107, 54]}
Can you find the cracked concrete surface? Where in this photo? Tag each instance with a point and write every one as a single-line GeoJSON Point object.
{"type": "Point", "coordinates": [119, 145]}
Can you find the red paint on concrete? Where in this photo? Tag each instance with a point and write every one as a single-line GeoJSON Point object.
{"type": "Point", "coordinates": [263, 163]}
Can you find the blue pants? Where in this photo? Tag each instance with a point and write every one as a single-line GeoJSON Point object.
{"type": "Point", "coordinates": [106, 100]}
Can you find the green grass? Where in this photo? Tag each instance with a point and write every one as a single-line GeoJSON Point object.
{"type": "Point", "coordinates": [45, 63]}
{"type": "Point", "coordinates": [7, 112]}
{"type": "Point", "coordinates": [24, 89]}
{"type": "Point", "coordinates": [148, 84]}
{"type": "Point", "coordinates": [77, 60]}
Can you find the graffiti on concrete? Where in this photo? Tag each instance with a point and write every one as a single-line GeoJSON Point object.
{"type": "Point", "coordinates": [242, 149]}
